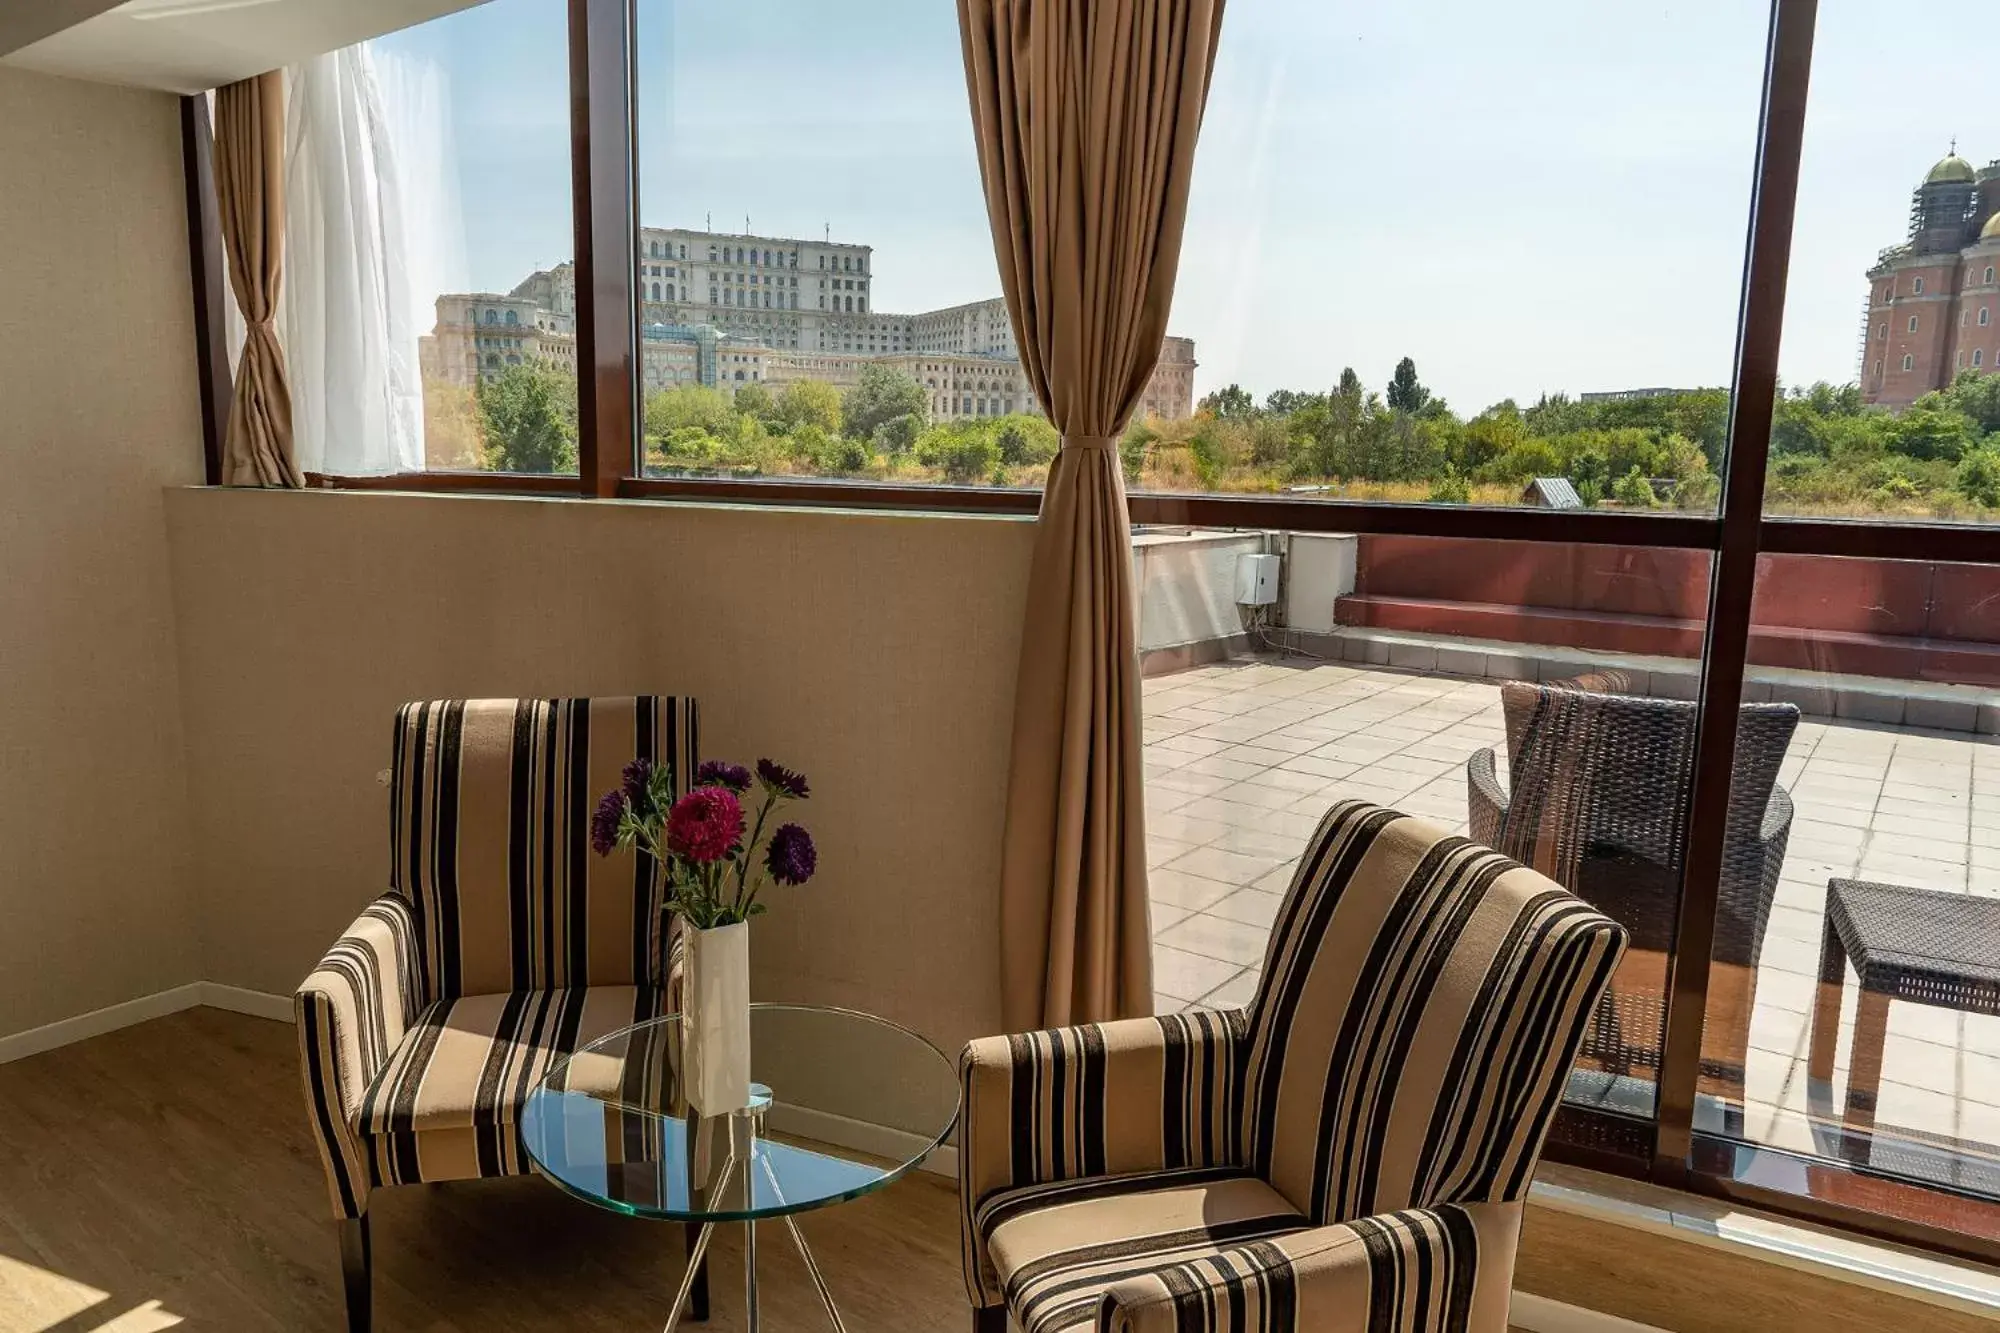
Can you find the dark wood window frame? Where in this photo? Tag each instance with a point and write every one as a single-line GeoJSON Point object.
{"type": "Point", "coordinates": [1667, 1148]}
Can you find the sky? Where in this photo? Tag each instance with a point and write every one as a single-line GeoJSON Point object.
{"type": "Point", "coordinates": [1526, 198]}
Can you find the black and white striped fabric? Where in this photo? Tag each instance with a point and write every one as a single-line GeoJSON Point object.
{"type": "Point", "coordinates": [1367, 1127]}
{"type": "Point", "coordinates": [503, 944]}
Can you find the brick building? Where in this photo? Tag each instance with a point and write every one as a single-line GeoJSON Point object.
{"type": "Point", "coordinates": [1933, 302]}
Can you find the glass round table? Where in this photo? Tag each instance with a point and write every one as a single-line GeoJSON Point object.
{"type": "Point", "coordinates": [842, 1104]}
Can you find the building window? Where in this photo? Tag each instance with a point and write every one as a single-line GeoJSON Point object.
{"type": "Point", "coordinates": [656, 291]}
{"type": "Point", "coordinates": [1917, 286]}
{"type": "Point", "coordinates": [1881, 332]}
{"type": "Point", "coordinates": [492, 316]}
{"type": "Point", "coordinates": [1909, 362]}
{"type": "Point", "coordinates": [1913, 323]}
{"type": "Point", "coordinates": [1978, 357]}
{"type": "Point", "coordinates": [1989, 274]}
{"type": "Point", "coordinates": [1985, 316]}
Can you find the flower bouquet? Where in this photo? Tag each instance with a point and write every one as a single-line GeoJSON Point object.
{"type": "Point", "coordinates": [714, 876]}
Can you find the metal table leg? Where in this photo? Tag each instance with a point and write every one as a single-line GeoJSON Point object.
{"type": "Point", "coordinates": [694, 1268]}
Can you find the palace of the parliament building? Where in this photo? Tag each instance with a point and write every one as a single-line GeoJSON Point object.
{"type": "Point", "coordinates": [723, 310]}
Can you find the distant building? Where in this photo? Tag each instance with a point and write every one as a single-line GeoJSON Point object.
{"type": "Point", "coordinates": [722, 310]}
{"type": "Point", "coordinates": [1933, 302]}
{"type": "Point", "coordinates": [1627, 395]}
{"type": "Point", "coordinates": [1552, 493]}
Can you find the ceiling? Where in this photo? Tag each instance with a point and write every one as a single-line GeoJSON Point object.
{"type": "Point", "coordinates": [188, 46]}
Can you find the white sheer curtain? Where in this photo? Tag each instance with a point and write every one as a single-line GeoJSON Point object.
{"type": "Point", "coordinates": [348, 315]}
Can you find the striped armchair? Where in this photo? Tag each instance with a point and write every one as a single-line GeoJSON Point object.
{"type": "Point", "coordinates": [502, 944]}
{"type": "Point", "coordinates": [1350, 1153]}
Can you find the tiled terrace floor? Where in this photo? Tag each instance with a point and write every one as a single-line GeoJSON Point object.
{"type": "Point", "coordinates": [1243, 757]}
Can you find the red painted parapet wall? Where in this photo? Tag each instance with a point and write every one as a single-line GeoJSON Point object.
{"type": "Point", "coordinates": [1904, 619]}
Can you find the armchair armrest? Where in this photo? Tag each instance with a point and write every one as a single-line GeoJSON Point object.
{"type": "Point", "coordinates": [1139, 1094]}
{"type": "Point", "coordinates": [352, 1012]}
{"type": "Point", "coordinates": [1486, 804]}
{"type": "Point", "coordinates": [1448, 1269]}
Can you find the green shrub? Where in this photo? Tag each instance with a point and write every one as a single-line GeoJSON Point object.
{"type": "Point", "coordinates": [1634, 491]}
{"type": "Point", "coordinates": [1450, 489]}
{"type": "Point", "coordinates": [1978, 477]}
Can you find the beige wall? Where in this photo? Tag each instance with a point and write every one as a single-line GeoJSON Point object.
{"type": "Point", "coordinates": [875, 652]}
{"type": "Point", "coordinates": [97, 414]}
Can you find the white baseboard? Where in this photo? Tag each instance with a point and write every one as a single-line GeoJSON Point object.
{"type": "Point", "coordinates": [237, 1000]}
{"type": "Point", "coordinates": [97, 1022]}
{"type": "Point", "coordinates": [875, 1140]}
{"type": "Point", "coordinates": [1539, 1314]}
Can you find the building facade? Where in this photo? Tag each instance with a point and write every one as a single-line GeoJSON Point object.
{"type": "Point", "coordinates": [1933, 302]}
{"type": "Point", "coordinates": [722, 311]}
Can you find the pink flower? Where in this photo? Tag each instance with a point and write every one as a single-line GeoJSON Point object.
{"type": "Point", "coordinates": [705, 825]}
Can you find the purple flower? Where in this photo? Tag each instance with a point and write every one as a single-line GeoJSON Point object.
{"type": "Point", "coordinates": [638, 776]}
{"type": "Point", "coordinates": [721, 773]}
{"type": "Point", "coordinates": [782, 781]}
{"type": "Point", "coordinates": [604, 823]}
{"type": "Point", "coordinates": [791, 857]}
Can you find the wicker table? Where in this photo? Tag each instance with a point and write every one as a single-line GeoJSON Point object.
{"type": "Point", "coordinates": [1920, 945]}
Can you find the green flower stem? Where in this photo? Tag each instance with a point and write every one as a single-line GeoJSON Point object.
{"type": "Point", "coordinates": [750, 851]}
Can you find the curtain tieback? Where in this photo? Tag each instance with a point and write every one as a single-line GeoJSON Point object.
{"type": "Point", "coordinates": [1104, 443]}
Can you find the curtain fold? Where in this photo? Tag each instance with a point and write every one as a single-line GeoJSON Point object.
{"type": "Point", "coordinates": [349, 329]}
{"type": "Point", "coordinates": [250, 197]}
{"type": "Point", "coordinates": [1085, 115]}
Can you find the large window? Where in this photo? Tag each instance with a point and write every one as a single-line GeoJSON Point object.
{"type": "Point", "coordinates": [819, 294]}
{"type": "Point", "coordinates": [1471, 369]}
{"type": "Point", "coordinates": [430, 172]}
{"type": "Point", "coordinates": [1535, 696]}
{"type": "Point", "coordinates": [1509, 274]}
{"type": "Point", "coordinates": [1858, 937]}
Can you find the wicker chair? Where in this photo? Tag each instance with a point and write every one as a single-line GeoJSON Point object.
{"type": "Point", "coordinates": [1599, 783]}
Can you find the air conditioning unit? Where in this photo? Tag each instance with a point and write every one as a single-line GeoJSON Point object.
{"type": "Point", "coordinates": [1256, 580]}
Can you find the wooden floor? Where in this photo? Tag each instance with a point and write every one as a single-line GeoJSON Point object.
{"type": "Point", "coordinates": [162, 1177]}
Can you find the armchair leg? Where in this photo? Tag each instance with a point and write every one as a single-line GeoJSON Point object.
{"type": "Point", "coordinates": [355, 1267]}
{"type": "Point", "coordinates": [989, 1319]}
{"type": "Point", "coordinates": [698, 1296]}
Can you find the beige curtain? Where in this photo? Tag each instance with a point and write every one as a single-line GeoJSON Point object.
{"type": "Point", "coordinates": [1086, 113]}
{"type": "Point", "coordinates": [250, 196]}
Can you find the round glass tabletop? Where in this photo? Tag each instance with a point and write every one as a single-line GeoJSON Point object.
{"type": "Point", "coordinates": [854, 1102]}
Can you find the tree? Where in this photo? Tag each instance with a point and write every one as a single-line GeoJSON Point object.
{"type": "Point", "coordinates": [965, 453]}
{"type": "Point", "coordinates": [529, 415]}
{"type": "Point", "coordinates": [881, 394]}
{"type": "Point", "coordinates": [1931, 429]}
{"type": "Point", "coordinates": [708, 410]}
{"type": "Point", "coordinates": [1450, 488]}
{"type": "Point", "coordinates": [897, 435]}
{"type": "Point", "coordinates": [1634, 490]}
{"type": "Point", "coordinates": [1230, 403]}
{"type": "Point", "coordinates": [1284, 402]}
{"type": "Point", "coordinates": [754, 400]}
{"type": "Point", "coordinates": [1406, 391]}
{"type": "Point", "coordinates": [807, 403]}
{"type": "Point", "coordinates": [1977, 395]}
{"type": "Point", "coordinates": [1978, 477]}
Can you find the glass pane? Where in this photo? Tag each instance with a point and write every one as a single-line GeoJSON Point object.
{"type": "Point", "coordinates": [1535, 696]}
{"type": "Point", "coordinates": [467, 139]}
{"type": "Point", "coordinates": [1443, 252]}
{"type": "Point", "coordinates": [820, 293]}
{"type": "Point", "coordinates": [1892, 314]}
{"type": "Point", "coordinates": [1858, 938]}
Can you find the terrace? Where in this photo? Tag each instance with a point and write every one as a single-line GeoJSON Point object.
{"type": "Point", "coordinates": [1243, 755]}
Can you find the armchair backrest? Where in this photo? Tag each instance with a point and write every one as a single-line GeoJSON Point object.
{"type": "Point", "coordinates": [490, 839]}
{"type": "Point", "coordinates": [1421, 1003]}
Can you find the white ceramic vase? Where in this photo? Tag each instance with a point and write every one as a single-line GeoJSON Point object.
{"type": "Point", "coordinates": [716, 1019]}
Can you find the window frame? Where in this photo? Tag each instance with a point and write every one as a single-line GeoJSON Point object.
{"type": "Point", "coordinates": [1667, 1148]}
